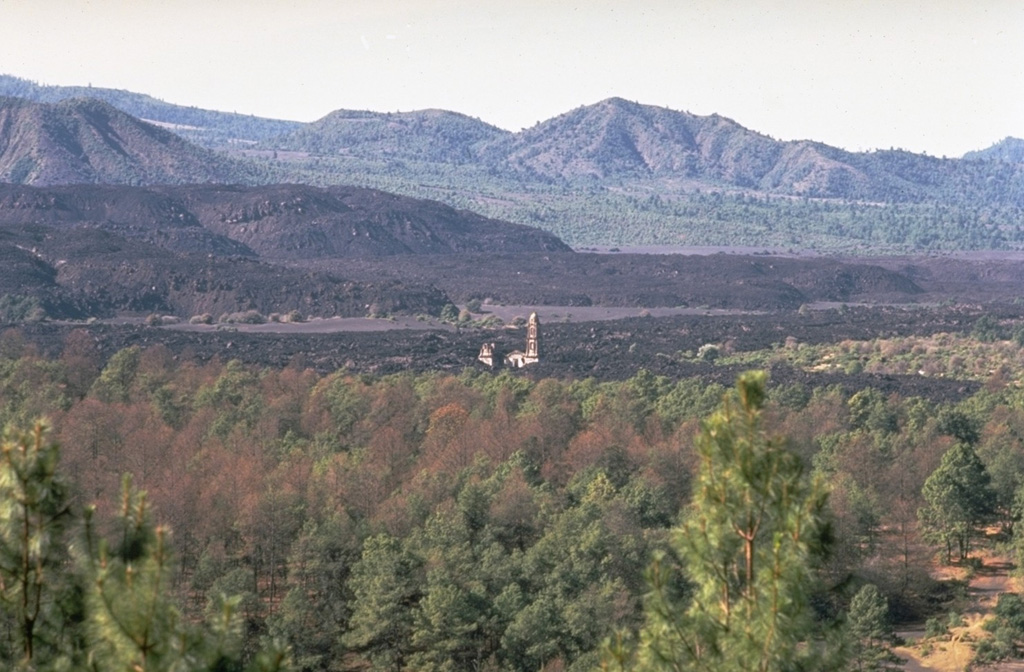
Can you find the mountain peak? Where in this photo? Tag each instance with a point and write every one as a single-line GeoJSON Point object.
{"type": "Point", "coordinates": [619, 103]}
{"type": "Point", "coordinates": [426, 135]}
{"type": "Point", "coordinates": [85, 140]}
{"type": "Point", "coordinates": [1009, 149]}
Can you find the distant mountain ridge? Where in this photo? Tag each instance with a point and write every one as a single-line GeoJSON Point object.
{"type": "Point", "coordinates": [610, 140]}
{"type": "Point", "coordinates": [208, 128]}
{"type": "Point", "coordinates": [617, 139]}
{"type": "Point", "coordinates": [612, 173]}
{"type": "Point", "coordinates": [426, 135]}
{"type": "Point", "coordinates": [1008, 149]}
{"type": "Point", "coordinates": [84, 141]}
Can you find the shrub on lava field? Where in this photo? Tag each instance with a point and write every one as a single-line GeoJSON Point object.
{"type": "Point", "coordinates": [15, 308]}
{"type": "Point", "coordinates": [449, 313]}
{"type": "Point", "coordinates": [244, 317]}
{"type": "Point", "coordinates": [204, 318]}
{"type": "Point", "coordinates": [709, 352]}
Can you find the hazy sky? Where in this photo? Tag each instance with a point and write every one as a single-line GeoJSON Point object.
{"type": "Point", "coordinates": [939, 76]}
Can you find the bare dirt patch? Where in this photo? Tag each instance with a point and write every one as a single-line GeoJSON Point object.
{"type": "Point", "coordinates": [954, 653]}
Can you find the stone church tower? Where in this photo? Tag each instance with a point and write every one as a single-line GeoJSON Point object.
{"type": "Point", "coordinates": [532, 335]}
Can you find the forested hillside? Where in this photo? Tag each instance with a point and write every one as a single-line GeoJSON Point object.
{"type": "Point", "coordinates": [426, 135]}
{"type": "Point", "coordinates": [666, 211]}
{"type": "Point", "coordinates": [1010, 150]}
{"type": "Point", "coordinates": [616, 139]}
{"type": "Point", "coordinates": [613, 173]}
{"type": "Point", "coordinates": [204, 127]}
{"type": "Point", "coordinates": [445, 522]}
{"type": "Point", "coordinates": [620, 173]}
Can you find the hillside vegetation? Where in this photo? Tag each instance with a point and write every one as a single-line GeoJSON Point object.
{"type": "Point", "coordinates": [1007, 149]}
{"type": "Point", "coordinates": [620, 173]}
{"type": "Point", "coordinates": [429, 135]}
{"type": "Point", "coordinates": [612, 173]}
{"type": "Point", "coordinates": [81, 141]}
{"type": "Point", "coordinates": [617, 139]}
{"type": "Point", "coordinates": [208, 128]}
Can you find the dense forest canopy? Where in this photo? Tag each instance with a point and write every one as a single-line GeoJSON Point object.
{"type": "Point", "coordinates": [429, 521]}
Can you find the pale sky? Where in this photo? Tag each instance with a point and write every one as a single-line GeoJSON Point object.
{"type": "Point", "coordinates": [935, 76]}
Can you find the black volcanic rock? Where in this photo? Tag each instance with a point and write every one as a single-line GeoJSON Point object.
{"type": "Point", "coordinates": [87, 141]}
{"type": "Point", "coordinates": [275, 222]}
{"type": "Point", "coordinates": [725, 281]}
{"type": "Point", "coordinates": [87, 250]}
{"type": "Point", "coordinates": [78, 272]}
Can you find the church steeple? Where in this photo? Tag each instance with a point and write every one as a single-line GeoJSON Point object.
{"type": "Point", "coordinates": [532, 337]}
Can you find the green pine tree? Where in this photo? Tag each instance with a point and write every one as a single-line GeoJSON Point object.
{"type": "Point", "coordinates": [754, 532]}
{"type": "Point", "coordinates": [34, 513]}
{"type": "Point", "coordinates": [958, 496]}
{"type": "Point", "coordinates": [870, 633]}
{"type": "Point", "coordinates": [386, 590]}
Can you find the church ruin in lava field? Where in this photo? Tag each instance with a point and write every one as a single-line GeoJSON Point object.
{"type": "Point", "coordinates": [517, 358]}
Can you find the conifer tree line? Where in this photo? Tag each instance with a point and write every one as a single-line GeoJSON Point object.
{"type": "Point", "coordinates": [280, 518]}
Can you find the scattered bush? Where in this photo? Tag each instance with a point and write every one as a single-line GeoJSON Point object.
{"type": "Point", "coordinates": [988, 329]}
{"type": "Point", "coordinates": [204, 318]}
{"type": "Point", "coordinates": [14, 308]}
{"type": "Point", "coordinates": [934, 627]}
{"type": "Point", "coordinates": [1007, 628]}
{"type": "Point", "coordinates": [450, 313]}
{"type": "Point", "coordinates": [491, 321]}
{"type": "Point", "coordinates": [709, 352]}
{"type": "Point", "coordinates": [244, 317]}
